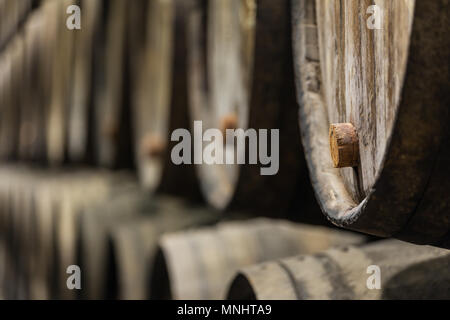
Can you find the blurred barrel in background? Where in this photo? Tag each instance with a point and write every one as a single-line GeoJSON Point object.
{"type": "Point", "coordinates": [199, 264]}
{"type": "Point", "coordinates": [159, 96]}
{"type": "Point", "coordinates": [392, 85]}
{"type": "Point", "coordinates": [82, 191]}
{"type": "Point", "coordinates": [241, 77]}
{"type": "Point", "coordinates": [95, 225]}
{"type": "Point", "coordinates": [62, 57]}
{"type": "Point", "coordinates": [405, 271]}
{"type": "Point", "coordinates": [114, 143]}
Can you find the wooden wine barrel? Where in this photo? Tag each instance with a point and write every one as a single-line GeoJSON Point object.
{"type": "Point", "coordinates": [113, 138]}
{"type": "Point", "coordinates": [158, 61]}
{"type": "Point", "coordinates": [133, 246]}
{"type": "Point", "coordinates": [406, 271]}
{"type": "Point", "coordinates": [240, 77]}
{"type": "Point", "coordinates": [95, 224]}
{"type": "Point", "coordinates": [151, 62]}
{"type": "Point", "coordinates": [81, 112]}
{"type": "Point", "coordinates": [43, 256]}
{"type": "Point", "coordinates": [199, 264]}
{"type": "Point", "coordinates": [57, 118]}
{"type": "Point", "coordinates": [77, 191]}
{"type": "Point", "coordinates": [391, 85]}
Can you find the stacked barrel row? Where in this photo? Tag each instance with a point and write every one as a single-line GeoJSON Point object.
{"type": "Point", "coordinates": [131, 246]}
{"type": "Point", "coordinates": [81, 104]}
{"type": "Point", "coordinates": [125, 242]}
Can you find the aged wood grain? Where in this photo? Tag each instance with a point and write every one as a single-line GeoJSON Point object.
{"type": "Point", "coordinates": [391, 85]}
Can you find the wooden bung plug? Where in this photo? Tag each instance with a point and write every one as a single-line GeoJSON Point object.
{"type": "Point", "coordinates": [229, 121]}
{"type": "Point", "coordinates": [153, 145]}
{"type": "Point", "coordinates": [111, 130]}
{"type": "Point", "coordinates": [344, 145]}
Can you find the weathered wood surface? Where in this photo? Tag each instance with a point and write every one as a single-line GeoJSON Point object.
{"type": "Point", "coordinates": [392, 85]}
{"type": "Point", "coordinates": [240, 68]}
{"type": "Point", "coordinates": [407, 271]}
{"type": "Point", "coordinates": [199, 264]}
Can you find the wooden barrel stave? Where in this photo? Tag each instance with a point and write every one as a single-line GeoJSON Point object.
{"type": "Point", "coordinates": [87, 45]}
{"type": "Point", "coordinates": [32, 134]}
{"type": "Point", "coordinates": [60, 54]}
